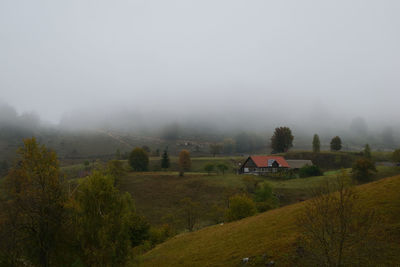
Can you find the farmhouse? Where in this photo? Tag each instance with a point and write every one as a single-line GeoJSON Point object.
{"type": "Point", "coordinates": [260, 165]}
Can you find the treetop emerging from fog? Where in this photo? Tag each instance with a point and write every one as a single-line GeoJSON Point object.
{"type": "Point", "coordinates": [284, 61]}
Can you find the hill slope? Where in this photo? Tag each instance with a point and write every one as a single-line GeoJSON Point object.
{"type": "Point", "coordinates": [273, 233]}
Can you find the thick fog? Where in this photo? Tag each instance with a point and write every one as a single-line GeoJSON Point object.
{"type": "Point", "coordinates": [229, 64]}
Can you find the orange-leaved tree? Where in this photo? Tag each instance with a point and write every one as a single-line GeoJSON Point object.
{"type": "Point", "coordinates": [185, 162]}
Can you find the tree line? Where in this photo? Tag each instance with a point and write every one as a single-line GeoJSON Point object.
{"type": "Point", "coordinates": [280, 142]}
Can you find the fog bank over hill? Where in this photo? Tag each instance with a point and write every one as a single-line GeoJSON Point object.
{"type": "Point", "coordinates": [214, 124]}
{"type": "Point", "coordinates": [257, 119]}
{"type": "Point", "coordinates": [222, 67]}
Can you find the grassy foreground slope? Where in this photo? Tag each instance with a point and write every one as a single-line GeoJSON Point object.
{"type": "Point", "coordinates": [274, 233]}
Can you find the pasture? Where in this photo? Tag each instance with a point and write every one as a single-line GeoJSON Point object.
{"type": "Point", "coordinates": [157, 194]}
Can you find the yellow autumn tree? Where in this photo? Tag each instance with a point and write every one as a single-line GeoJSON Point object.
{"type": "Point", "coordinates": [103, 218]}
{"type": "Point", "coordinates": [33, 208]}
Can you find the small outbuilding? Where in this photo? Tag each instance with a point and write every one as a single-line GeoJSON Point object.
{"type": "Point", "coordinates": [296, 164]}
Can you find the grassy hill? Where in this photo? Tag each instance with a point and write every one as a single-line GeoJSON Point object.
{"type": "Point", "coordinates": [274, 233]}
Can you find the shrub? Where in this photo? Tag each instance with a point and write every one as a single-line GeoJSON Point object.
{"type": "Point", "coordinates": [240, 206]}
{"type": "Point", "coordinates": [250, 183]}
{"type": "Point", "coordinates": [222, 168]}
{"type": "Point", "coordinates": [265, 199]}
{"type": "Point", "coordinates": [209, 168]}
{"type": "Point", "coordinates": [161, 234]}
{"type": "Point", "coordinates": [310, 170]}
{"type": "Point", "coordinates": [264, 193]}
{"type": "Point", "coordinates": [139, 230]}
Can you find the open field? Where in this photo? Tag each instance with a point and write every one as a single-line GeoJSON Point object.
{"type": "Point", "coordinates": [157, 194]}
{"type": "Point", "coordinates": [198, 163]}
{"type": "Point", "coordinates": [274, 233]}
{"type": "Point", "coordinates": [326, 160]}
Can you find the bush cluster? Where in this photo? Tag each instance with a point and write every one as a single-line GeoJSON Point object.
{"type": "Point", "coordinates": [310, 170]}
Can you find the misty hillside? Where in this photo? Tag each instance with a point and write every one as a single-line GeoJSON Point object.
{"type": "Point", "coordinates": [92, 139]}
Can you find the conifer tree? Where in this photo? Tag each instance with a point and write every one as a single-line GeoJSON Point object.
{"type": "Point", "coordinates": [165, 160]}
{"type": "Point", "coordinates": [367, 151]}
{"type": "Point", "coordinates": [396, 156]}
{"type": "Point", "coordinates": [316, 144]}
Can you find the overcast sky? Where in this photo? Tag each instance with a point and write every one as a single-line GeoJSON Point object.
{"type": "Point", "coordinates": [289, 58]}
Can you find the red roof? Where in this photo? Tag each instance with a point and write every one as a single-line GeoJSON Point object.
{"type": "Point", "coordinates": [262, 161]}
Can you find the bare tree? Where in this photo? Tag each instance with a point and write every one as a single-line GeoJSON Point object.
{"type": "Point", "coordinates": [336, 231]}
{"type": "Point", "coordinates": [190, 212]}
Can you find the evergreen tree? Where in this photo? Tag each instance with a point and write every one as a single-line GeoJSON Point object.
{"type": "Point", "coordinates": [363, 170]}
{"type": "Point", "coordinates": [367, 151]}
{"type": "Point", "coordinates": [316, 144]}
{"type": "Point", "coordinates": [396, 156]}
{"type": "Point", "coordinates": [336, 143]}
{"type": "Point", "coordinates": [165, 160]}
